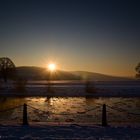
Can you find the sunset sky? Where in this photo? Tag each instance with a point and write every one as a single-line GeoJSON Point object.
{"type": "Point", "coordinates": [100, 36]}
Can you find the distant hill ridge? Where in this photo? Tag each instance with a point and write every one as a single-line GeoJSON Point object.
{"type": "Point", "coordinates": [39, 73]}
{"type": "Point", "coordinates": [98, 76]}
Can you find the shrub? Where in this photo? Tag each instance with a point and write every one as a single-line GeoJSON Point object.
{"type": "Point", "coordinates": [90, 87]}
{"type": "Point", "coordinates": [20, 85]}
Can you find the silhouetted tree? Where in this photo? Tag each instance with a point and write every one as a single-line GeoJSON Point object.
{"type": "Point", "coordinates": [7, 68]}
{"type": "Point", "coordinates": [89, 87]}
{"type": "Point", "coordinates": [138, 70]}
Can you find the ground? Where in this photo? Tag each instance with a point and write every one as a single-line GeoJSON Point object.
{"type": "Point", "coordinates": [74, 131]}
{"type": "Point", "coordinates": [69, 132]}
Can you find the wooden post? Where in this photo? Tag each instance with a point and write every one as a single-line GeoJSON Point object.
{"type": "Point", "coordinates": [104, 118]}
{"type": "Point", "coordinates": [25, 118]}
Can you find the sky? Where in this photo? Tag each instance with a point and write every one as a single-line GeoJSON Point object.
{"type": "Point", "coordinates": [100, 36]}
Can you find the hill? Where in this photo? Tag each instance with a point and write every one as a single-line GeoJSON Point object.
{"type": "Point", "coordinates": [98, 76]}
{"type": "Point", "coordinates": [38, 73]}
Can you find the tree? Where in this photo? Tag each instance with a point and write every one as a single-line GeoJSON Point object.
{"type": "Point", "coordinates": [138, 70]}
{"type": "Point", "coordinates": [7, 68]}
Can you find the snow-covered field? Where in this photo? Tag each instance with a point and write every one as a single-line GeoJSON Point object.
{"type": "Point", "coordinates": [69, 132]}
{"type": "Point", "coordinates": [76, 88]}
{"type": "Point", "coordinates": [130, 130]}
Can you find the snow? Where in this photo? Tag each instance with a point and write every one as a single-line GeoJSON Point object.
{"type": "Point", "coordinates": [69, 132]}
{"type": "Point", "coordinates": [65, 88]}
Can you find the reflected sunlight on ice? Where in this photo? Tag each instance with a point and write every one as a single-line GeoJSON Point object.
{"type": "Point", "coordinates": [79, 109]}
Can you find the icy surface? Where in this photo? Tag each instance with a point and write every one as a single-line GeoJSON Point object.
{"type": "Point", "coordinates": [71, 109]}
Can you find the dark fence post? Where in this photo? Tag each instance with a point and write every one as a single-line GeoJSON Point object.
{"type": "Point", "coordinates": [25, 118]}
{"type": "Point", "coordinates": [104, 118]}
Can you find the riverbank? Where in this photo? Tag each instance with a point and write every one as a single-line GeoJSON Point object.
{"type": "Point", "coordinates": [69, 132]}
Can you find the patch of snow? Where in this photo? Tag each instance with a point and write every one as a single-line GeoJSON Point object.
{"type": "Point", "coordinates": [69, 132]}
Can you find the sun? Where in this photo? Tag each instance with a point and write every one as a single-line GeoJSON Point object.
{"type": "Point", "coordinates": [51, 67]}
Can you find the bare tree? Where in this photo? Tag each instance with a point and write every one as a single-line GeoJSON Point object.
{"type": "Point", "coordinates": [138, 70]}
{"type": "Point", "coordinates": [7, 68]}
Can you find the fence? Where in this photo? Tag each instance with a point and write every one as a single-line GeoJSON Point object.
{"type": "Point", "coordinates": [104, 120]}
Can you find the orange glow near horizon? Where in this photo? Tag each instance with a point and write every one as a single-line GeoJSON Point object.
{"type": "Point", "coordinates": [110, 68]}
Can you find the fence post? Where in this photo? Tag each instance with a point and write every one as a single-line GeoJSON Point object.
{"type": "Point", "coordinates": [104, 117]}
{"type": "Point", "coordinates": [25, 118]}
